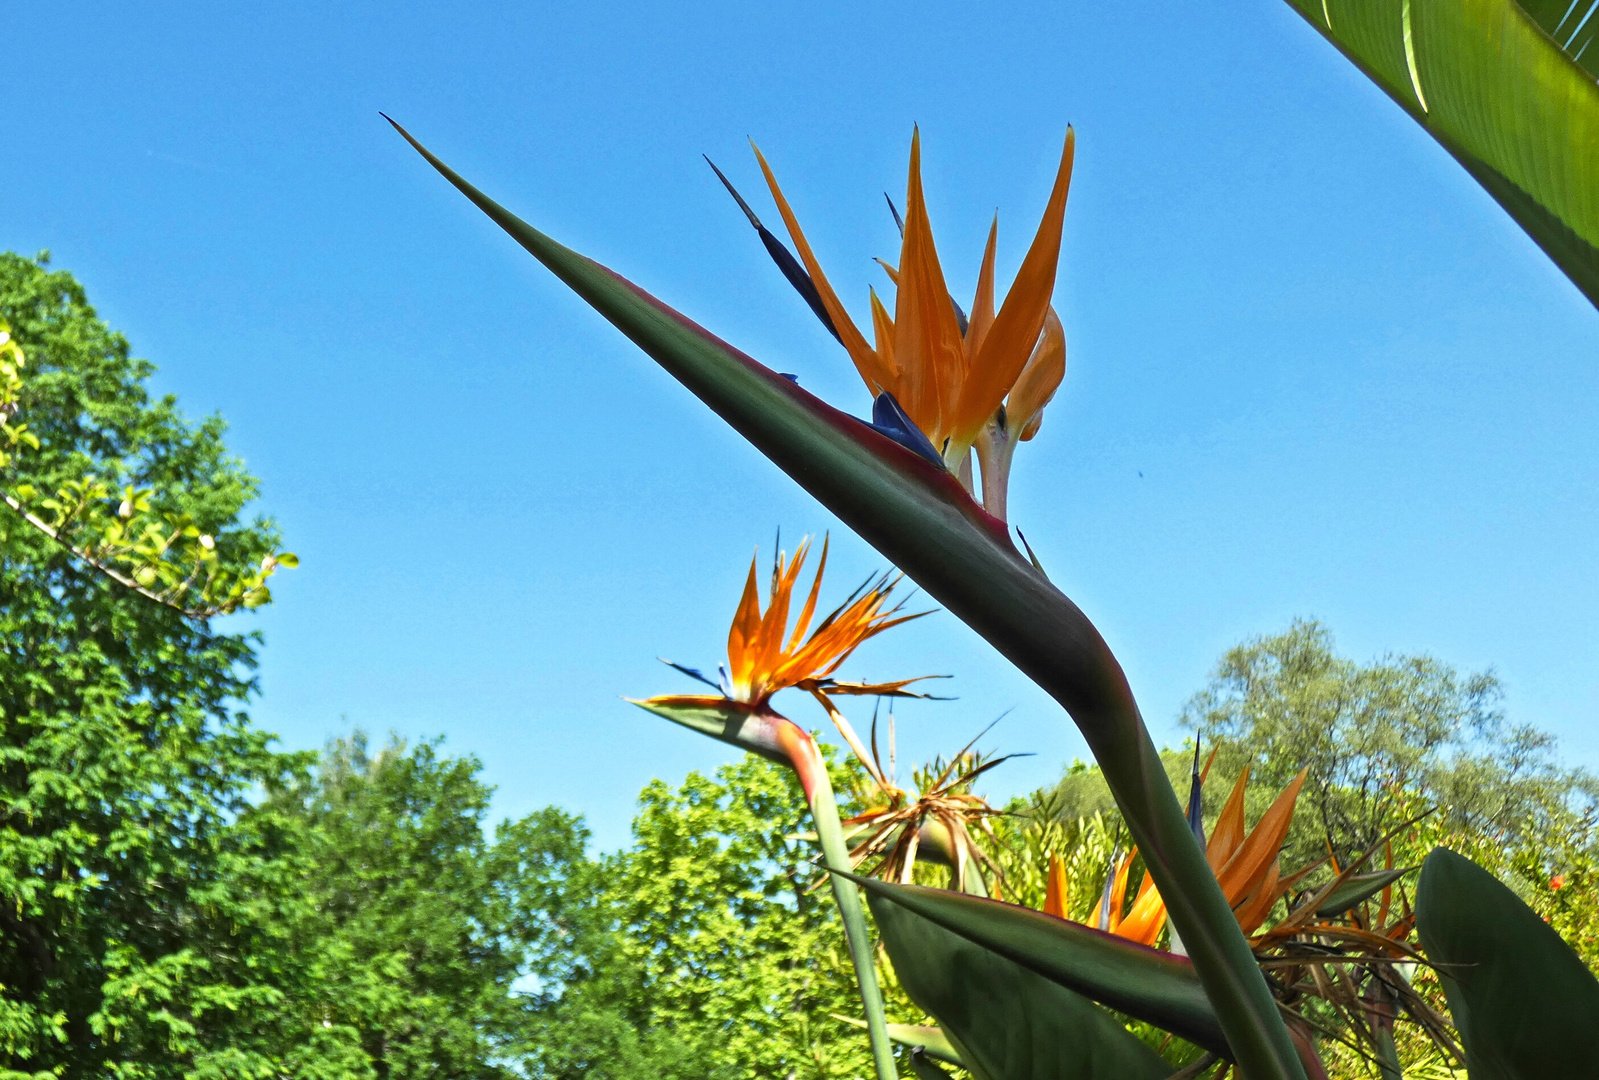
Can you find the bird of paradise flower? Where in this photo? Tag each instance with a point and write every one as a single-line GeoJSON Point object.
{"type": "Point", "coordinates": [766, 655]}
{"type": "Point", "coordinates": [946, 384]}
{"type": "Point", "coordinates": [1342, 942]}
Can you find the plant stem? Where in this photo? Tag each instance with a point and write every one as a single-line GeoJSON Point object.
{"type": "Point", "coordinates": [835, 854]}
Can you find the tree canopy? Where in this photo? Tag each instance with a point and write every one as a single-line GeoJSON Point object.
{"type": "Point", "coordinates": [127, 766]}
{"type": "Point", "coordinates": [1380, 738]}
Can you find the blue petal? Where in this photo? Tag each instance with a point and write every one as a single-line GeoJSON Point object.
{"type": "Point", "coordinates": [693, 673]}
{"type": "Point", "coordinates": [1196, 813]}
{"type": "Point", "coordinates": [890, 419]}
{"type": "Point", "coordinates": [785, 260]}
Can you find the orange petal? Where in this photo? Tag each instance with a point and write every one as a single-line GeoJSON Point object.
{"type": "Point", "coordinates": [982, 316]}
{"type": "Point", "coordinates": [1143, 923]}
{"type": "Point", "coordinates": [865, 359]}
{"type": "Point", "coordinates": [1009, 342]}
{"type": "Point", "coordinates": [891, 271]}
{"type": "Point", "coordinates": [1245, 870]}
{"type": "Point", "coordinates": [803, 623]}
{"type": "Point", "coordinates": [746, 628]}
{"type": "Point", "coordinates": [1118, 890]}
{"type": "Point", "coordinates": [1055, 888]}
{"type": "Point", "coordinates": [1258, 906]}
{"type": "Point", "coordinates": [769, 654]}
{"type": "Point", "coordinates": [1229, 831]}
{"type": "Point", "coordinates": [874, 689]}
{"type": "Point", "coordinates": [838, 636]}
{"type": "Point", "coordinates": [927, 339]}
{"type": "Point", "coordinates": [1039, 379]}
{"type": "Point", "coordinates": [883, 331]}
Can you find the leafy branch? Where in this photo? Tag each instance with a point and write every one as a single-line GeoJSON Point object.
{"type": "Point", "coordinates": [161, 555]}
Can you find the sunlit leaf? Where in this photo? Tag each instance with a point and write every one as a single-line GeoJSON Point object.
{"type": "Point", "coordinates": [1486, 79]}
{"type": "Point", "coordinates": [1145, 983]}
{"type": "Point", "coordinates": [1358, 889]}
{"type": "Point", "coordinates": [931, 1039]}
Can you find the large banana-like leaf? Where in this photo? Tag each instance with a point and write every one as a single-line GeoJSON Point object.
{"type": "Point", "coordinates": [1144, 983]}
{"type": "Point", "coordinates": [1486, 79]}
{"type": "Point", "coordinates": [922, 520]}
{"type": "Point", "coordinates": [1006, 1022]}
{"type": "Point", "coordinates": [1525, 1006]}
{"type": "Point", "coordinates": [1571, 25]}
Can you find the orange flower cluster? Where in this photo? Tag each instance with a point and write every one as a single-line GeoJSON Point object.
{"type": "Point", "coordinates": [1246, 866]}
{"type": "Point", "coordinates": [967, 383]}
{"type": "Point", "coordinates": [765, 655]}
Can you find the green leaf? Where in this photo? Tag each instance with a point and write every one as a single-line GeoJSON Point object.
{"type": "Point", "coordinates": [931, 1039]}
{"type": "Point", "coordinates": [1525, 1006]}
{"type": "Point", "coordinates": [1006, 1022]}
{"type": "Point", "coordinates": [1486, 80]}
{"type": "Point", "coordinates": [724, 720]}
{"type": "Point", "coordinates": [922, 520]}
{"type": "Point", "coordinates": [1144, 983]}
{"type": "Point", "coordinates": [1571, 24]}
{"type": "Point", "coordinates": [1358, 889]}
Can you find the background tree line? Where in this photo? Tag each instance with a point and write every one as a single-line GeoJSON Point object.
{"type": "Point", "coordinates": [179, 899]}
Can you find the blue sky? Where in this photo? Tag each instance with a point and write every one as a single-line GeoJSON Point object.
{"type": "Point", "coordinates": [1313, 369]}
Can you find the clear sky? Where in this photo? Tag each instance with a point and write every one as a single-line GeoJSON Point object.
{"type": "Point", "coordinates": [1313, 369]}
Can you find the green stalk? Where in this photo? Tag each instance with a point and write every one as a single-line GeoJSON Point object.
{"type": "Point", "coordinates": [776, 738]}
{"type": "Point", "coordinates": [835, 855]}
{"type": "Point", "coordinates": [1388, 1055]}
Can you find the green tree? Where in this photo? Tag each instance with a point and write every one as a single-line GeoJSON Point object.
{"type": "Point", "coordinates": [127, 947]}
{"type": "Point", "coordinates": [1381, 742]}
{"type": "Point", "coordinates": [705, 951]}
{"type": "Point", "coordinates": [414, 924]}
{"type": "Point", "coordinates": [1378, 738]}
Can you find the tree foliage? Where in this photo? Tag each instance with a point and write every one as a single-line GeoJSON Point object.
{"type": "Point", "coordinates": [411, 925]}
{"type": "Point", "coordinates": [1379, 738]}
{"type": "Point", "coordinates": [176, 898]}
{"type": "Point", "coordinates": [702, 950]}
{"type": "Point", "coordinates": [125, 765]}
